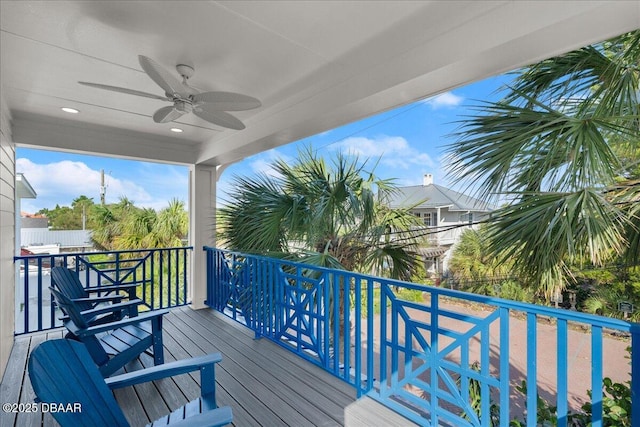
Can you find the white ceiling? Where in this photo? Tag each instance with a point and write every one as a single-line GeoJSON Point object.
{"type": "Point", "coordinates": [315, 65]}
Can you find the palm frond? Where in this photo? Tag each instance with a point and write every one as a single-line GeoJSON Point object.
{"type": "Point", "coordinates": [556, 149]}
{"type": "Point", "coordinates": [327, 213]}
{"type": "Point", "coordinates": [542, 231]}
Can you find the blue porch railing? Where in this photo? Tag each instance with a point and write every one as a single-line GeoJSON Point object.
{"type": "Point", "coordinates": [162, 274]}
{"type": "Point", "coordinates": [418, 349]}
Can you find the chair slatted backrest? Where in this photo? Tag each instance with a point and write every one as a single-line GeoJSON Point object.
{"type": "Point", "coordinates": [78, 323]}
{"type": "Point", "coordinates": [69, 308]}
{"type": "Point", "coordinates": [69, 284]}
{"type": "Point", "coordinates": [63, 373]}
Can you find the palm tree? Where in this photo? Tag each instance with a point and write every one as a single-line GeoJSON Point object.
{"type": "Point", "coordinates": [105, 227]}
{"type": "Point", "coordinates": [136, 227]}
{"type": "Point", "coordinates": [471, 259]}
{"type": "Point", "coordinates": [331, 215]}
{"type": "Point", "coordinates": [171, 226]}
{"type": "Point", "coordinates": [561, 151]}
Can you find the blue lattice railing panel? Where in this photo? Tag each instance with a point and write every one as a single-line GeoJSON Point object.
{"type": "Point", "coordinates": [161, 274]}
{"type": "Point", "coordinates": [437, 356]}
{"type": "Point", "coordinates": [302, 310]}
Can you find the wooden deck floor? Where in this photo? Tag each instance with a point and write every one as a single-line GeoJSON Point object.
{"type": "Point", "coordinates": [263, 383]}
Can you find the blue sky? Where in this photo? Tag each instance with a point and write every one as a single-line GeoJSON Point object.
{"type": "Point", "coordinates": [408, 141]}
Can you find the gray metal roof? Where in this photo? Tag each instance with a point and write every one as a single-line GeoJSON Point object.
{"type": "Point", "coordinates": [65, 238]}
{"type": "Point", "coordinates": [435, 196]}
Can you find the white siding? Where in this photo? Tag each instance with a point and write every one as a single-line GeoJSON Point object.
{"type": "Point", "coordinates": [446, 235]}
{"type": "Point", "coordinates": [7, 237]}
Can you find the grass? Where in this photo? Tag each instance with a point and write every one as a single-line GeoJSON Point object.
{"type": "Point", "coordinates": [404, 294]}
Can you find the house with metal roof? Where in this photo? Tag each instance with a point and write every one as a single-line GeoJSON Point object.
{"type": "Point", "coordinates": [445, 213]}
{"type": "Point", "coordinates": [63, 240]}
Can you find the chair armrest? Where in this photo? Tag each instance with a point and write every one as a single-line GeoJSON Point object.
{"type": "Point", "coordinates": [116, 298]}
{"type": "Point", "coordinates": [111, 308]}
{"type": "Point", "coordinates": [111, 288]}
{"type": "Point", "coordinates": [93, 330]}
{"type": "Point", "coordinates": [215, 418]}
{"type": "Point", "coordinates": [163, 371]}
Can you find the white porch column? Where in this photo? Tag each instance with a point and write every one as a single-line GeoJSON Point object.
{"type": "Point", "coordinates": [438, 221]}
{"type": "Point", "coordinates": [202, 226]}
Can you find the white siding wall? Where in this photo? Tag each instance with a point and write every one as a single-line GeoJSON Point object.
{"type": "Point", "coordinates": [7, 237]}
{"type": "Point", "coordinates": [446, 219]}
{"type": "Point", "coordinates": [448, 237]}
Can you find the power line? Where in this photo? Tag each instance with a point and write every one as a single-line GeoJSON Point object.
{"type": "Point", "coordinates": [427, 231]}
{"type": "Point", "coordinates": [386, 119]}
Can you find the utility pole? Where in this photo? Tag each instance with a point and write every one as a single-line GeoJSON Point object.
{"type": "Point", "coordinates": [103, 188]}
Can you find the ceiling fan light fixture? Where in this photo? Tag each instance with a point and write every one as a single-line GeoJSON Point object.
{"type": "Point", "coordinates": [70, 110]}
{"type": "Point", "coordinates": [176, 130]}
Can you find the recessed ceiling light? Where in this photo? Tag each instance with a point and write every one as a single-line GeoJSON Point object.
{"type": "Point", "coordinates": [70, 110]}
{"type": "Point", "coordinates": [176, 130]}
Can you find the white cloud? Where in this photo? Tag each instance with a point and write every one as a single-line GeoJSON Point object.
{"type": "Point", "coordinates": [61, 182]}
{"type": "Point", "coordinates": [393, 151]}
{"type": "Point", "coordinates": [257, 164]}
{"type": "Point", "coordinates": [444, 100]}
{"type": "Point", "coordinates": [264, 161]}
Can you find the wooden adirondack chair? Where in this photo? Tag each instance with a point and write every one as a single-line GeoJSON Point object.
{"type": "Point", "coordinates": [113, 345]}
{"type": "Point", "coordinates": [63, 374]}
{"type": "Point", "coordinates": [68, 282]}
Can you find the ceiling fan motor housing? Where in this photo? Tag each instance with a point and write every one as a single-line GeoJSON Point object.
{"type": "Point", "coordinates": [185, 70]}
{"type": "Point", "coordinates": [183, 106]}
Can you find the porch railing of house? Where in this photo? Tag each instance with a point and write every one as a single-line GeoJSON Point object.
{"type": "Point", "coordinates": [426, 352]}
{"type": "Point", "coordinates": [161, 274]}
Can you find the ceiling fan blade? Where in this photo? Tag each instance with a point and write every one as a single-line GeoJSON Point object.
{"type": "Point", "coordinates": [125, 90]}
{"type": "Point", "coordinates": [219, 118]}
{"type": "Point", "coordinates": [166, 114]}
{"type": "Point", "coordinates": [171, 85]}
{"type": "Point", "coordinates": [227, 101]}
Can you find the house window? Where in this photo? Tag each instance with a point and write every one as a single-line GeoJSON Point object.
{"type": "Point", "coordinates": [467, 217]}
{"type": "Point", "coordinates": [430, 218]}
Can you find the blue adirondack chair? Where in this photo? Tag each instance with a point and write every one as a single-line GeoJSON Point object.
{"type": "Point", "coordinates": [63, 374]}
{"type": "Point", "coordinates": [113, 345]}
{"type": "Point", "coordinates": [68, 282]}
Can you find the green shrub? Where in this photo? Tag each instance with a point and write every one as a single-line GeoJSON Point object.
{"type": "Point", "coordinates": [616, 406]}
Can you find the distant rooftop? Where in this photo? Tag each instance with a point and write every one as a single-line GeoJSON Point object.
{"type": "Point", "coordinates": [430, 195]}
{"type": "Point", "coordinates": [64, 238]}
{"type": "Point", "coordinates": [30, 215]}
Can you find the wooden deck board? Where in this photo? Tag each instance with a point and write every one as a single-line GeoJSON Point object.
{"type": "Point", "coordinates": [189, 385]}
{"type": "Point", "coordinates": [284, 363]}
{"type": "Point", "coordinates": [265, 384]}
{"type": "Point", "coordinates": [13, 379]}
{"type": "Point", "coordinates": [367, 412]}
{"type": "Point", "coordinates": [263, 366]}
{"type": "Point", "coordinates": [240, 390]}
{"type": "Point", "coordinates": [30, 419]}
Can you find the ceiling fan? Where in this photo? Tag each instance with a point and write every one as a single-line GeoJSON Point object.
{"type": "Point", "coordinates": [209, 106]}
